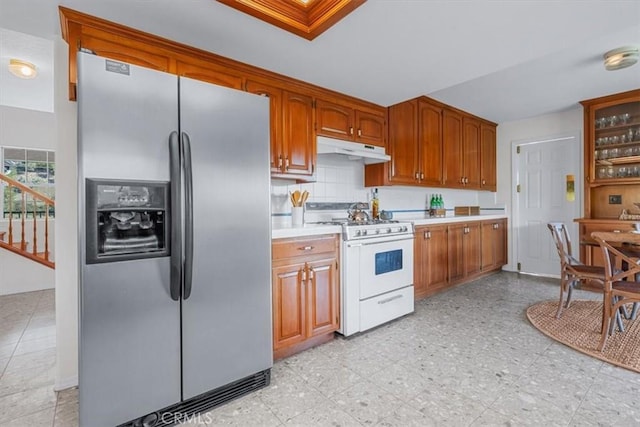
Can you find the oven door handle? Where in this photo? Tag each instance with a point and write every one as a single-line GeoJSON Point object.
{"type": "Point", "coordinates": [354, 245]}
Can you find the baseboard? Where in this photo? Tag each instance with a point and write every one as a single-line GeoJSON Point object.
{"type": "Point", "coordinates": [65, 383]}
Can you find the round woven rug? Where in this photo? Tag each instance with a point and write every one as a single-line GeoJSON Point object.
{"type": "Point", "coordinates": [579, 328]}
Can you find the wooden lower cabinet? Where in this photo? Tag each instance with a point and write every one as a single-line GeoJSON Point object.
{"type": "Point", "coordinates": [430, 255]}
{"type": "Point", "coordinates": [306, 293]}
{"type": "Point", "coordinates": [450, 254]}
{"type": "Point", "coordinates": [494, 244]}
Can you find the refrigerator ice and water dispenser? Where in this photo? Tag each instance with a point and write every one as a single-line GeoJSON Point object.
{"type": "Point", "coordinates": [126, 220]}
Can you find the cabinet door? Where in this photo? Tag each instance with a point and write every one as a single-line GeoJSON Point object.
{"type": "Point", "coordinates": [275, 109]}
{"type": "Point", "coordinates": [488, 255]}
{"type": "Point", "coordinates": [289, 305]}
{"type": "Point", "coordinates": [437, 258]}
{"type": "Point", "coordinates": [370, 128]}
{"type": "Point", "coordinates": [298, 140]}
{"type": "Point", "coordinates": [471, 152]}
{"type": "Point", "coordinates": [403, 147]}
{"type": "Point", "coordinates": [334, 120]}
{"type": "Point", "coordinates": [500, 240]}
{"type": "Point", "coordinates": [488, 179]}
{"type": "Point", "coordinates": [455, 246]}
{"type": "Point", "coordinates": [322, 297]}
{"type": "Point", "coordinates": [207, 72]}
{"type": "Point", "coordinates": [430, 260]}
{"type": "Point", "coordinates": [452, 149]}
{"type": "Point", "coordinates": [472, 249]}
{"type": "Point", "coordinates": [430, 143]}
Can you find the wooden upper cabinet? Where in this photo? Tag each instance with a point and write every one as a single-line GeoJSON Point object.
{"type": "Point", "coordinates": [488, 179]}
{"type": "Point", "coordinates": [471, 152]}
{"type": "Point", "coordinates": [370, 128]}
{"type": "Point", "coordinates": [275, 110]}
{"type": "Point", "coordinates": [207, 72]}
{"type": "Point", "coordinates": [298, 144]}
{"type": "Point", "coordinates": [452, 149]}
{"type": "Point", "coordinates": [334, 120]}
{"type": "Point", "coordinates": [403, 143]}
{"type": "Point", "coordinates": [430, 143]}
{"type": "Point", "coordinates": [348, 123]}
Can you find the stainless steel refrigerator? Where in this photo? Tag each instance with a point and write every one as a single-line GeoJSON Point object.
{"type": "Point", "coordinates": [175, 244]}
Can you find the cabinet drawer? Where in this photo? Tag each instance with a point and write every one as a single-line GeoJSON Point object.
{"type": "Point", "coordinates": [288, 248]}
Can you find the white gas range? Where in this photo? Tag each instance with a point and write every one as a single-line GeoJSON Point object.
{"type": "Point", "coordinates": [377, 273]}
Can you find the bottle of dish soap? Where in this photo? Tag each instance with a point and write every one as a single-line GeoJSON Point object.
{"type": "Point", "coordinates": [375, 205]}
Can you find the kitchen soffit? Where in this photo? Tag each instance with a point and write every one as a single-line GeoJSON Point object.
{"type": "Point", "coordinates": [305, 18]}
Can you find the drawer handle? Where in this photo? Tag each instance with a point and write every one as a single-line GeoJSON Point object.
{"type": "Point", "coordinates": [393, 298]}
{"type": "Point", "coordinates": [305, 248]}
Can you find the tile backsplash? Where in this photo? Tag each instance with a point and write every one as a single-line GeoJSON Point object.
{"type": "Point", "coordinates": [342, 180]}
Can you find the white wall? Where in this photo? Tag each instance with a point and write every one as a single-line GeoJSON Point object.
{"type": "Point", "coordinates": [567, 122]}
{"type": "Point", "coordinates": [29, 129]}
{"type": "Point", "coordinates": [66, 275]}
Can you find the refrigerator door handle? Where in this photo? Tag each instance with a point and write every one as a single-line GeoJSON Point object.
{"type": "Point", "coordinates": [176, 242]}
{"type": "Point", "coordinates": [188, 215]}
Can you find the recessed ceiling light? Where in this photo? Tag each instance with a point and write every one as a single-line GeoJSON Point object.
{"type": "Point", "coordinates": [22, 69]}
{"type": "Point", "coordinates": [620, 58]}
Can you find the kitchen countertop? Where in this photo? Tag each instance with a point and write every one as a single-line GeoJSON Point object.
{"type": "Point", "coordinates": [285, 231]}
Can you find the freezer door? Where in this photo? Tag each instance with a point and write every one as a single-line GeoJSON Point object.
{"type": "Point", "coordinates": [226, 323]}
{"type": "Point", "coordinates": [129, 325]}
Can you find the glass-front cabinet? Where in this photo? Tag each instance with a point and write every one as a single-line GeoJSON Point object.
{"type": "Point", "coordinates": [612, 130]}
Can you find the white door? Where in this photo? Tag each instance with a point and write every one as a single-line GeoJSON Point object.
{"type": "Point", "coordinates": [541, 169]}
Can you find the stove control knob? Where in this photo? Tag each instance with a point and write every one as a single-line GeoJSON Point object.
{"type": "Point", "coordinates": [357, 232]}
{"type": "Point", "coordinates": [377, 231]}
{"type": "Point", "coordinates": [389, 230]}
{"type": "Point", "coordinates": [364, 232]}
{"type": "Point", "coordinates": [404, 228]}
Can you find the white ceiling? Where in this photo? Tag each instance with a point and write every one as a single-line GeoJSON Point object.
{"type": "Point", "coordinates": [502, 60]}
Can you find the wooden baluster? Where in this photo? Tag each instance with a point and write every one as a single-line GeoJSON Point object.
{"type": "Point", "coordinates": [23, 213]}
{"type": "Point", "coordinates": [46, 231]}
{"type": "Point", "coordinates": [35, 227]}
{"type": "Point", "coordinates": [10, 214]}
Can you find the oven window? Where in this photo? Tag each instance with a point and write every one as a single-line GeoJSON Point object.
{"type": "Point", "coordinates": [387, 262]}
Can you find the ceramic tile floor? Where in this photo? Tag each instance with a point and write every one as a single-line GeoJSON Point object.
{"type": "Point", "coordinates": [466, 357]}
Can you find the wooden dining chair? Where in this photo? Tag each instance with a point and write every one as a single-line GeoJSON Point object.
{"type": "Point", "coordinates": [622, 277]}
{"type": "Point", "coordinates": [573, 273]}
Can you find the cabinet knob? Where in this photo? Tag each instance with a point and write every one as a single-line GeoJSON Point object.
{"type": "Point", "coordinates": [417, 175]}
{"type": "Point", "coordinates": [286, 163]}
{"type": "Point", "coordinates": [359, 132]}
{"type": "Point", "coordinates": [484, 182]}
{"type": "Point", "coordinates": [280, 161]}
{"type": "Point", "coordinates": [351, 130]}
{"type": "Point", "coordinates": [305, 248]}
{"type": "Point", "coordinates": [421, 175]}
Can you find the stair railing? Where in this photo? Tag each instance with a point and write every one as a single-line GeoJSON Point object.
{"type": "Point", "coordinates": [37, 200]}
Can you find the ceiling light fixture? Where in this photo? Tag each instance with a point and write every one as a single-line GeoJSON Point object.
{"type": "Point", "coordinates": [22, 69]}
{"type": "Point", "coordinates": [620, 58]}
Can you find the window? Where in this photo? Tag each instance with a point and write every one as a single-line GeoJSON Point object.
{"type": "Point", "coordinates": [33, 168]}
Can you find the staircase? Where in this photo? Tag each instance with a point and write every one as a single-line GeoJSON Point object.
{"type": "Point", "coordinates": [24, 234]}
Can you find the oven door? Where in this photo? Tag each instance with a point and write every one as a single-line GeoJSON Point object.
{"type": "Point", "coordinates": [385, 264]}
